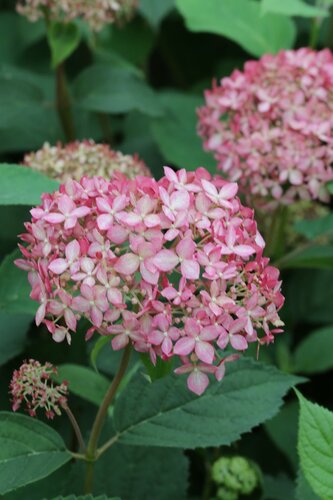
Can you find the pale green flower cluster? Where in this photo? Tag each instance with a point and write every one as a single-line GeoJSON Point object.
{"type": "Point", "coordinates": [97, 13]}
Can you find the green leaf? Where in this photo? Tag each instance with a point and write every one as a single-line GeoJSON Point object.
{"type": "Point", "coordinates": [292, 8]}
{"type": "Point", "coordinates": [155, 10]}
{"type": "Point", "coordinates": [316, 227]}
{"type": "Point", "coordinates": [13, 330]}
{"type": "Point", "coordinates": [315, 257]}
{"type": "Point", "coordinates": [175, 132]}
{"type": "Point", "coordinates": [309, 297]}
{"type": "Point", "coordinates": [29, 451]}
{"type": "Point", "coordinates": [242, 21]}
{"type": "Point", "coordinates": [19, 34]}
{"type": "Point", "coordinates": [84, 382]}
{"type": "Point", "coordinates": [315, 438]}
{"type": "Point", "coordinates": [86, 497]}
{"type": "Point", "coordinates": [23, 186]}
{"type": "Point", "coordinates": [282, 429]}
{"type": "Point", "coordinates": [17, 98]}
{"type": "Point", "coordinates": [314, 353]}
{"type": "Point", "coordinates": [63, 40]}
{"type": "Point", "coordinates": [114, 90]}
{"type": "Point", "coordinates": [137, 473]}
{"type": "Point", "coordinates": [303, 489]}
{"type": "Point", "coordinates": [99, 344]}
{"type": "Point", "coordinates": [166, 413]}
{"type": "Point", "coordinates": [14, 287]}
{"type": "Point", "coordinates": [277, 488]}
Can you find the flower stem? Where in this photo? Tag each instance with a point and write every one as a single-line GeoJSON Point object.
{"type": "Point", "coordinates": [63, 103]}
{"type": "Point", "coordinates": [91, 454]}
{"type": "Point", "coordinates": [76, 428]}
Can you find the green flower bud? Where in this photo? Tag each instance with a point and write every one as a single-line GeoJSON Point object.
{"type": "Point", "coordinates": [235, 474]}
{"type": "Point", "coordinates": [225, 494]}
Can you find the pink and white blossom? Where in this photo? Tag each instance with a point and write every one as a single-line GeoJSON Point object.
{"type": "Point", "coordinates": [121, 254]}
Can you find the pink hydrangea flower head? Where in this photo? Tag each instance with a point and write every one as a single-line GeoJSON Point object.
{"type": "Point", "coordinates": [33, 386]}
{"type": "Point", "coordinates": [96, 13]}
{"type": "Point", "coordinates": [76, 159]}
{"type": "Point", "coordinates": [270, 126]}
{"type": "Point", "coordinates": [121, 254]}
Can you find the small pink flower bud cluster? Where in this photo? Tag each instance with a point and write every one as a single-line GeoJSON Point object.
{"type": "Point", "coordinates": [77, 159]}
{"type": "Point", "coordinates": [32, 385]}
{"type": "Point", "coordinates": [97, 13]}
{"type": "Point", "coordinates": [174, 267]}
{"type": "Point", "coordinates": [271, 126]}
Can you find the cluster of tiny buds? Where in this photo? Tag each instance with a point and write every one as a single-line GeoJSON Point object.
{"type": "Point", "coordinates": [175, 267]}
{"type": "Point", "coordinates": [79, 158]}
{"type": "Point", "coordinates": [96, 13]}
{"type": "Point", "coordinates": [270, 127]}
{"type": "Point", "coordinates": [32, 386]}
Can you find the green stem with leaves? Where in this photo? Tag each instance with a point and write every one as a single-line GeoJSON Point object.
{"type": "Point", "coordinates": [91, 452]}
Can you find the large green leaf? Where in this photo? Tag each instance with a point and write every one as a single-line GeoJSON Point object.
{"type": "Point", "coordinates": [84, 382]}
{"type": "Point", "coordinates": [316, 227]}
{"type": "Point", "coordinates": [303, 489]}
{"type": "Point", "coordinates": [314, 353]}
{"type": "Point", "coordinates": [309, 297]}
{"type": "Point", "coordinates": [15, 288]}
{"type": "Point", "coordinates": [63, 40]}
{"type": "Point", "coordinates": [315, 257]}
{"type": "Point", "coordinates": [155, 10]}
{"type": "Point", "coordinates": [86, 497]}
{"type": "Point", "coordinates": [19, 34]}
{"type": "Point", "coordinates": [23, 186]}
{"type": "Point", "coordinates": [105, 88]}
{"type": "Point", "coordinates": [315, 438]}
{"type": "Point", "coordinates": [175, 132]}
{"type": "Point", "coordinates": [13, 329]}
{"type": "Point", "coordinates": [292, 8]}
{"type": "Point", "coordinates": [277, 488]}
{"type": "Point", "coordinates": [242, 21]}
{"type": "Point", "coordinates": [137, 473]}
{"type": "Point", "coordinates": [166, 413]}
{"type": "Point", "coordinates": [29, 451]}
{"type": "Point", "coordinates": [282, 429]}
{"type": "Point", "coordinates": [18, 98]}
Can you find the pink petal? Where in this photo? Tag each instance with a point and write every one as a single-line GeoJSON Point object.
{"type": "Point", "coordinates": [152, 220]}
{"type": "Point", "coordinates": [131, 219]}
{"type": "Point", "coordinates": [166, 260]}
{"type": "Point", "coordinates": [104, 221]}
{"type": "Point", "coordinates": [205, 352]}
{"type": "Point", "coordinates": [54, 218]}
{"type": "Point", "coordinates": [228, 190]}
{"type": "Point", "coordinates": [184, 346]}
{"type": "Point", "coordinates": [185, 248]}
{"type": "Point", "coordinates": [120, 341]}
{"type": "Point", "coordinates": [127, 264]}
{"type": "Point", "coordinates": [197, 382]}
{"type": "Point", "coordinates": [114, 296]}
{"type": "Point", "coordinates": [40, 314]}
{"type": "Point", "coordinates": [180, 200]}
{"type": "Point", "coordinates": [156, 337]}
{"type": "Point", "coordinates": [244, 250]}
{"type": "Point", "coordinates": [72, 250]}
{"type": "Point", "coordinates": [81, 212]}
{"type": "Point", "coordinates": [66, 204]}
{"type": "Point", "coordinates": [166, 346]}
{"type": "Point", "coordinates": [70, 319]}
{"type": "Point", "coordinates": [80, 304]}
{"type": "Point", "coordinates": [170, 174]}
{"type": "Point", "coordinates": [238, 342]}
{"type": "Point", "coordinates": [190, 269]}
{"type": "Point", "coordinates": [96, 316]}
{"type": "Point", "coordinates": [103, 205]}
{"type": "Point", "coordinates": [169, 293]}
{"type": "Point", "coordinates": [58, 266]}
